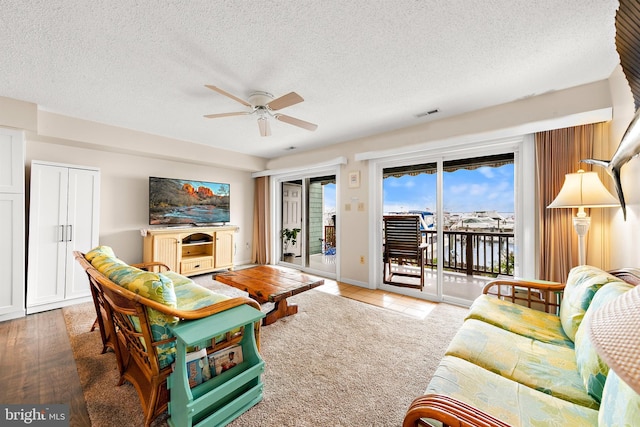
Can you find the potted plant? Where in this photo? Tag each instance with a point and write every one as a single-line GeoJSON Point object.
{"type": "Point", "coordinates": [289, 236]}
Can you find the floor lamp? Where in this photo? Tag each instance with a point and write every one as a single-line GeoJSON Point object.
{"type": "Point", "coordinates": [583, 190]}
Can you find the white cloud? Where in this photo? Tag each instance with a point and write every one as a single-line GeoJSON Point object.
{"type": "Point", "coordinates": [487, 172]}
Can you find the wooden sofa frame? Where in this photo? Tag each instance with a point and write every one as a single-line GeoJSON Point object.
{"type": "Point", "coordinates": [138, 363]}
{"type": "Point", "coordinates": [544, 296]}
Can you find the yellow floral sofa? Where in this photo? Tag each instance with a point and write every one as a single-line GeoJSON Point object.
{"type": "Point", "coordinates": [510, 364]}
{"type": "Point", "coordinates": [136, 305]}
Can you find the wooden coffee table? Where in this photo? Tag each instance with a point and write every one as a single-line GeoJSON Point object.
{"type": "Point", "coordinates": [266, 283]}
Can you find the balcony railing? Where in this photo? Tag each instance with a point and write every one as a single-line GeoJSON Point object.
{"type": "Point", "coordinates": [473, 252]}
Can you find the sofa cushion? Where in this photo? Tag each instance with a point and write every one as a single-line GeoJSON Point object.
{"type": "Point", "coordinates": [545, 367]}
{"type": "Point", "coordinates": [620, 404]}
{"type": "Point", "coordinates": [520, 320]}
{"type": "Point", "coordinates": [582, 284]}
{"type": "Point", "coordinates": [507, 400]}
{"type": "Point", "coordinates": [592, 369]}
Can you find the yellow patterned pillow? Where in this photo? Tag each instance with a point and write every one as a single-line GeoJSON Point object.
{"type": "Point", "coordinates": [154, 286]}
{"type": "Point", "coordinates": [100, 251]}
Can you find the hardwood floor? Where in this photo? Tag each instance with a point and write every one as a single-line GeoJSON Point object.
{"type": "Point", "coordinates": [37, 365]}
{"type": "Point", "coordinates": [391, 301]}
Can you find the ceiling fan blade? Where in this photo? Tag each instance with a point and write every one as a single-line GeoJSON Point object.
{"type": "Point", "coordinates": [238, 113]}
{"type": "Point", "coordinates": [227, 94]}
{"type": "Point", "coordinates": [263, 125]}
{"type": "Point", "coordinates": [296, 122]}
{"type": "Point", "coordinates": [285, 101]}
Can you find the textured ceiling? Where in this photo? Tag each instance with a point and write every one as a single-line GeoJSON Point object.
{"type": "Point", "coordinates": [363, 67]}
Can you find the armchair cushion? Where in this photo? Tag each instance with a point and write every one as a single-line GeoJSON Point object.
{"type": "Point", "coordinates": [592, 369]}
{"type": "Point", "coordinates": [582, 283]}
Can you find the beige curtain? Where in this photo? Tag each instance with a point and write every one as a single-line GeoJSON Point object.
{"type": "Point", "coordinates": [558, 152]}
{"type": "Point", "coordinates": [261, 221]}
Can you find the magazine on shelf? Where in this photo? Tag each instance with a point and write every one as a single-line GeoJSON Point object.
{"type": "Point", "coordinates": [197, 367]}
{"type": "Point", "coordinates": [225, 359]}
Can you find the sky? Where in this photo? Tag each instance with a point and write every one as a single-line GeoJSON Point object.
{"type": "Point", "coordinates": [329, 197]}
{"type": "Point", "coordinates": [485, 188]}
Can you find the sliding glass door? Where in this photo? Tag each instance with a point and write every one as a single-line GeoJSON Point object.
{"type": "Point", "coordinates": [478, 223]}
{"type": "Point", "coordinates": [466, 208]}
{"type": "Point", "coordinates": [307, 225]}
{"type": "Point", "coordinates": [413, 190]}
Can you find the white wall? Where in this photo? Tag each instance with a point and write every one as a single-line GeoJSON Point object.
{"type": "Point", "coordinates": [624, 235]}
{"type": "Point", "coordinates": [126, 159]}
{"type": "Point", "coordinates": [124, 194]}
{"type": "Point", "coordinates": [572, 107]}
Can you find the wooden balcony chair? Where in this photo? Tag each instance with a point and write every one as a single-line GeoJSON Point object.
{"type": "Point", "coordinates": [403, 246]}
{"type": "Point", "coordinates": [329, 239]}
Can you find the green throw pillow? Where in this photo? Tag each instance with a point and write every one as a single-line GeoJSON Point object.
{"type": "Point", "coordinates": [620, 404]}
{"type": "Point", "coordinates": [582, 284]}
{"type": "Point", "coordinates": [592, 369]}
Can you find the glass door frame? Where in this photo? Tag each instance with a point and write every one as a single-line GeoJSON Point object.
{"type": "Point", "coordinates": [276, 216]}
{"type": "Point", "coordinates": [525, 202]}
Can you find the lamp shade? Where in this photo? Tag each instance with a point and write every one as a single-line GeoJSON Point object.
{"type": "Point", "coordinates": [583, 189]}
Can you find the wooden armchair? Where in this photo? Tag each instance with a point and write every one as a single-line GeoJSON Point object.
{"type": "Point", "coordinates": [132, 340]}
{"type": "Point", "coordinates": [403, 246]}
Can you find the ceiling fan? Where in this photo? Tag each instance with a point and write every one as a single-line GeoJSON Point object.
{"type": "Point", "coordinates": [263, 104]}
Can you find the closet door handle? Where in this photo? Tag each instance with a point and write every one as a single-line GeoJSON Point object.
{"type": "Point", "coordinates": [61, 233]}
{"type": "Point", "coordinates": [70, 233]}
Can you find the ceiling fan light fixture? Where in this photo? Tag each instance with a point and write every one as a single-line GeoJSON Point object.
{"type": "Point", "coordinates": [263, 125]}
{"type": "Point", "coordinates": [260, 98]}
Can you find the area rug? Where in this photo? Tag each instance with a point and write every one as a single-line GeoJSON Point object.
{"type": "Point", "coordinates": [338, 362]}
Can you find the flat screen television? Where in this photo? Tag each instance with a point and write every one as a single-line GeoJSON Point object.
{"type": "Point", "coordinates": [182, 201]}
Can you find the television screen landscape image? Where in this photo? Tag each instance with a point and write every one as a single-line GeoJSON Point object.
{"type": "Point", "coordinates": [180, 201]}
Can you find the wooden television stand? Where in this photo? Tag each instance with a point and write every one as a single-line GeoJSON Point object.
{"type": "Point", "coordinates": [191, 250]}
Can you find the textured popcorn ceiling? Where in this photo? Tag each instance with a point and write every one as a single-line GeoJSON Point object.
{"type": "Point", "coordinates": [362, 66]}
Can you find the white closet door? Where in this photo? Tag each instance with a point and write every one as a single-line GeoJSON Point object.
{"type": "Point", "coordinates": [12, 230]}
{"type": "Point", "coordinates": [11, 256]}
{"type": "Point", "coordinates": [82, 226]}
{"type": "Point", "coordinates": [47, 246]}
